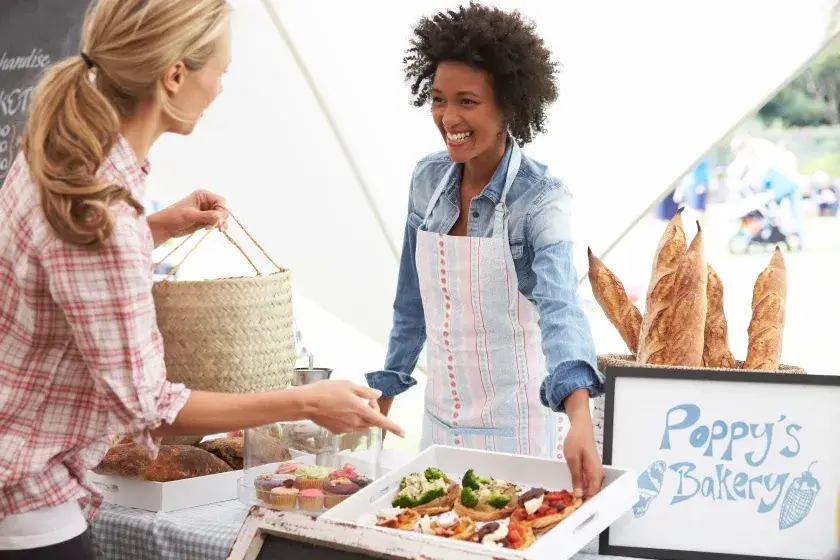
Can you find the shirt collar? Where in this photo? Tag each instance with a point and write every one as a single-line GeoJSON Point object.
{"type": "Point", "coordinates": [493, 190]}
{"type": "Point", "coordinates": [133, 172]}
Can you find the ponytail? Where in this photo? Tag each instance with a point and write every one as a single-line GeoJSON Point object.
{"type": "Point", "coordinates": [71, 129]}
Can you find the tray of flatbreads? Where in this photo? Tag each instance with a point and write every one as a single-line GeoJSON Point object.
{"type": "Point", "coordinates": [490, 504]}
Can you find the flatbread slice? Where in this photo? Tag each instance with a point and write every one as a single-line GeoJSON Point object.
{"type": "Point", "coordinates": [442, 504]}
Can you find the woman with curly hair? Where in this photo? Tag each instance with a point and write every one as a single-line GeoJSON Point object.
{"type": "Point", "coordinates": [486, 275]}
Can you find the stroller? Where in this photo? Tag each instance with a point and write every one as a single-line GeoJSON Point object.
{"type": "Point", "coordinates": [760, 226]}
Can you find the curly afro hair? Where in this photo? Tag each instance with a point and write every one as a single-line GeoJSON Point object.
{"type": "Point", "coordinates": [505, 45]}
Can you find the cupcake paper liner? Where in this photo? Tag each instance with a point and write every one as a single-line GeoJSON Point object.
{"type": "Point", "coordinates": [284, 501]}
{"type": "Point", "coordinates": [311, 503]}
{"type": "Point", "coordinates": [309, 483]}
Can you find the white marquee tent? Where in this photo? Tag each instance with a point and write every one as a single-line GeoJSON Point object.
{"type": "Point", "coordinates": [314, 140]}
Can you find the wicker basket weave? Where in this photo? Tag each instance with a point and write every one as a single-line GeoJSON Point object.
{"type": "Point", "coordinates": [605, 361]}
{"type": "Point", "coordinates": [231, 335]}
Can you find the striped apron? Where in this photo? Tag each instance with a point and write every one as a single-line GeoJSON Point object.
{"type": "Point", "coordinates": [484, 357]}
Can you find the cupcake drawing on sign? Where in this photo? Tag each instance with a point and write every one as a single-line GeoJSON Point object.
{"type": "Point", "coordinates": [649, 483]}
{"type": "Point", "coordinates": [799, 499]}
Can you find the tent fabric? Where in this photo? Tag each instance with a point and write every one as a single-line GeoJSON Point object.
{"type": "Point", "coordinates": [647, 87]}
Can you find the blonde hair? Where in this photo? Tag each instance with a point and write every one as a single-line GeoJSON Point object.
{"type": "Point", "coordinates": [74, 119]}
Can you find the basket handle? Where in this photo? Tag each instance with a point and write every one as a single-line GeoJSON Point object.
{"type": "Point", "coordinates": [229, 238]}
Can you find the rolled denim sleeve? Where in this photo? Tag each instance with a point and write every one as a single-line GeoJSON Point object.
{"type": "Point", "coordinates": [408, 335]}
{"type": "Point", "coordinates": [566, 336]}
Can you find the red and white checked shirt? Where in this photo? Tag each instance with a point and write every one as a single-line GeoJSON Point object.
{"type": "Point", "coordinates": [81, 357]}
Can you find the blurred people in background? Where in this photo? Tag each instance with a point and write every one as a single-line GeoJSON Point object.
{"type": "Point", "coordinates": [826, 193]}
{"type": "Point", "coordinates": [760, 165]}
{"type": "Point", "coordinates": [693, 192]}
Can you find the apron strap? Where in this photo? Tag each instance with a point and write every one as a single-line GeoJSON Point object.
{"type": "Point", "coordinates": [438, 192]}
{"type": "Point", "coordinates": [499, 221]}
{"type": "Point", "coordinates": [501, 209]}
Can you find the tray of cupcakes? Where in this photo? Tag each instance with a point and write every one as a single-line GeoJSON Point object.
{"type": "Point", "coordinates": [307, 487]}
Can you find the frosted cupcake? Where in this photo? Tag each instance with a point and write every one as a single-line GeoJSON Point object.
{"type": "Point", "coordinates": [348, 471]}
{"type": "Point", "coordinates": [288, 468]}
{"type": "Point", "coordinates": [311, 499]}
{"type": "Point", "coordinates": [311, 476]}
{"type": "Point", "coordinates": [265, 483]}
{"type": "Point", "coordinates": [361, 481]}
{"type": "Point", "coordinates": [284, 497]}
{"type": "Point", "coordinates": [337, 490]}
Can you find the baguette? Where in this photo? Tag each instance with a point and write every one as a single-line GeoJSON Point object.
{"type": "Point", "coordinates": [716, 351]}
{"type": "Point", "coordinates": [764, 350]}
{"type": "Point", "coordinates": [610, 294]}
{"type": "Point", "coordinates": [686, 318]}
{"type": "Point", "coordinates": [653, 336]}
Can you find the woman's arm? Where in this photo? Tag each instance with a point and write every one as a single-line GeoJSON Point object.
{"type": "Point", "coordinates": [566, 337]}
{"type": "Point", "coordinates": [408, 334]}
{"type": "Point", "coordinates": [107, 300]}
{"type": "Point", "coordinates": [339, 406]}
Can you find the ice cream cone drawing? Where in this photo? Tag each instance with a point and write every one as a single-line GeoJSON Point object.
{"type": "Point", "coordinates": [799, 499]}
{"type": "Point", "coordinates": [649, 483]}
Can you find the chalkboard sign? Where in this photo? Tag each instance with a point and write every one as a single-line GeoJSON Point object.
{"type": "Point", "coordinates": [33, 35]}
{"type": "Point", "coordinates": [275, 548]}
{"type": "Point", "coordinates": [732, 465]}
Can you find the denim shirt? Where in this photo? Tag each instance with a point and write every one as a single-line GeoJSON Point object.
{"type": "Point", "coordinates": [540, 242]}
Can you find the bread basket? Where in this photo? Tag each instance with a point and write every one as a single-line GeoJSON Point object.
{"type": "Point", "coordinates": [606, 361]}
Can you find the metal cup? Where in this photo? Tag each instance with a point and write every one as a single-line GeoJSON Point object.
{"type": "Point", "coordinates": [306, 376]}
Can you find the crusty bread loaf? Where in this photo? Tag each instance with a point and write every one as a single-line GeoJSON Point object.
{"type": "Point", "coordinates": [653, 335]}
{"type": "Point", "coordinates": [610, 294]}
{"type": "Point", "coordinates": [716, 351]}
{"type": "Point", "coordinates": [764, 351]}
{"type": "Point", "coordinates": [174, 462]}
{"type": "Point", "coordinates": [231, 450]}
{"type": "Point", "coordinates": [686, 316]}
{"type": "Point", "coordinates": [264, 448]}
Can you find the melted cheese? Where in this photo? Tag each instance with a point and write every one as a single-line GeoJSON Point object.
{"type": "Point", "coordinates": [533, 505]}
{"type": "Point", "coordinates": [448, 519]}
{"type": "Point", "coordinates": [417, 485]}
{"type": "Point", "coordinates": [388, 514]}
{"type": "Point", "coordinates": [425, 525]}
{"type": "Point", "coordinates": [496, 536]}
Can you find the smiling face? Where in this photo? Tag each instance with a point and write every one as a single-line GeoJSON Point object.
{"type": "Point", "coordinates": [465, 111]}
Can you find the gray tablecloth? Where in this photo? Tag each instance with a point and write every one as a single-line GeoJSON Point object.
{"type": "Point", "coordinates": [201, 533]}
{"type": "Point", "coordinates": [205, 533]}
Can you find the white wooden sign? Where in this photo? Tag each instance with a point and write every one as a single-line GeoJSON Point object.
{"type": "Point", "coordinates": [732, 464]}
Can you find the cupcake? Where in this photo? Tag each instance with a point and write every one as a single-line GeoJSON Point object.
{"type": "Point", "coordinates": [311, 476]}
{"type": "Point", "coordinates": [311, 499]}
{"type": "Point", "coordinates": [288, 467]}
{"type": "Point", "coordinates": [284, 497]}
{"type": "Point", "coordinates": [265, 483]}
{"type": "Point", "coordinates": [337, 490]}
{"type": "Point", "coordinates": [361, 481]}
{"type": "Point", "coordinates": [348, 471]}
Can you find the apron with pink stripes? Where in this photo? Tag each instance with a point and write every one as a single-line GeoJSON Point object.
{"type": "Point", "coordinates": [484, 356]}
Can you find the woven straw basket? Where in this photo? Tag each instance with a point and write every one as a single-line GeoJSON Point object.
{"type": "Point", "coordinates": [231, 335]}
{"type": "Point", "coordinates": [607, 361]}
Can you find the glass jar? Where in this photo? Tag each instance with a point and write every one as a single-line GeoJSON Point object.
{"type": "Point", "coordinates": [300, 466]}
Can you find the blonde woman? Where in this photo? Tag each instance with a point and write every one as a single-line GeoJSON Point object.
{"type": "Point", "coordinates": [80, 353]}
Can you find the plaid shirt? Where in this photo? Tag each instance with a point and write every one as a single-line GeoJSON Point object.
{"type": "Point", "coordinates": [81, 357]}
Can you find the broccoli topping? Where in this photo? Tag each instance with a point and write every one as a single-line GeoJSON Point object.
{"type": "Point", "coordinates": [403, 501]}
{"type": "Point", "coordinates": [468, 497]}
{"type": "Point", "coordinates": [470, 480]}
{"type": "Point", "coordinates": [433, 474]}
{"type": "Point", "coordinates": [498, 501]}
{"type": "Point", "coordinates": [430, 495]}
